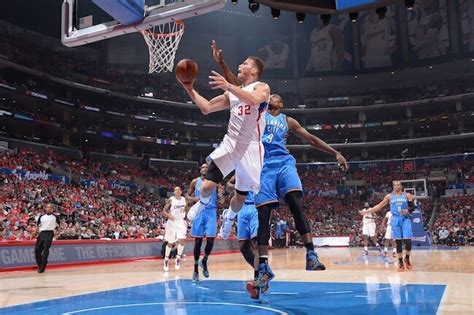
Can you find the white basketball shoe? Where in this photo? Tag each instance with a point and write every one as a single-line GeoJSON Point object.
{"type": "Point", "coordinates": [195, 210]}
{"type": "Point", "coordinates": [226, 226]}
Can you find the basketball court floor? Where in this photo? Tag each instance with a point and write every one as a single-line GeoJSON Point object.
{"type": "Point", "coordinates": [441, 282]}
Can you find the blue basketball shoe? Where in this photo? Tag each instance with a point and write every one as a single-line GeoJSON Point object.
{"type": "Point", "coordinates": [312, 262]}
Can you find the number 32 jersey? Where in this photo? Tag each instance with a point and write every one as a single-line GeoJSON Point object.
{"type": "Point", "coordinates": [246, 122]}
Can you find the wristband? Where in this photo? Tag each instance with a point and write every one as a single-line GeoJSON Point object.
{"type": "Point", "coordinates": [229, 87]}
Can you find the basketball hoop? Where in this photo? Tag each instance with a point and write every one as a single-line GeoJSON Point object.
{"type": "Point", "coordinates": [163, 41]}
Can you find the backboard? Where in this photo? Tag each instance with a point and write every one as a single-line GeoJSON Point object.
{"type": "Point", "coordinates": [155, 12]}
{"type": "Point", "coordinates": [416, 187]}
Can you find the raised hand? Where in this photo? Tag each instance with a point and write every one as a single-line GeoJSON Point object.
{"type": "Point", "coordinates": [216, 52]}
{"type": "Point", "coordinates": [341, 161]}
{"type": "Point", "coordinates": [217, 81]}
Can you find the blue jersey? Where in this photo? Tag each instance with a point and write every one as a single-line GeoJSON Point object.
{"type": "Point", "coordinates": [398, 202]}
{"type": "Point", "coordinates": [274, 136]}
{"type": "Point", "coordinates": [213, 202]}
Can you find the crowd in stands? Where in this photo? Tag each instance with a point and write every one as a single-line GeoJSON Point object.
{"type": "Point", "coordinates": [101, 210]}
{"type": "Point", "coordinates": [92, 72]}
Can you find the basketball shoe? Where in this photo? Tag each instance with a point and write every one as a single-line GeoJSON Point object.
{"type": "Point", "coordinates": [195, 210]}
{"type": "Point", "coordinates": [312, 262]}
{"type": "Point", "coordinates": [205, 271]}
{"type": "Point", "coordinates": [166, 266]}
{"type": "Point", "coordinates": [400, 267]}
{"type": "Point", "coordinates": [195, 277]}
{"type": "Point", "coordinates": [253, 290]}
{"type": "Point", "coordinates": [226, 226]}
{"type": "Point", "coordinates": [265, 274]}
{"type": "Point", "coordinates": [407, 263]}
{"type": "Point", "coordinates": [177, 264]}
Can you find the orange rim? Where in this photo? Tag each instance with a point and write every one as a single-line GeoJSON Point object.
{"type": "Point", "coordinates": [180, 24]}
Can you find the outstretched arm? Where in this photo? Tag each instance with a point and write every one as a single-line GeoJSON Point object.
{"type": "Point", "coordinates": [315, 142]}
{"type": "Point", "coordinates": [216, 104]}
{"type": "Point", "coordinates": [377, 207]}
{"type": "Point", "coordinates": [260, 94]}
{"type": "Point", "coordinates": [217, 54]}
{"type": "Point", "coordinates": [190, 194]}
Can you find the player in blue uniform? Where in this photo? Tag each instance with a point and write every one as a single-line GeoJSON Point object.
{"type": "Point", "coordinates": [247, 231]}
{"type": "Point", "coordinates": [402, 206]}
{"type": "Point", "coordinates": [279, 178]}
{"type": "Point", "coordinates": [205, 224]}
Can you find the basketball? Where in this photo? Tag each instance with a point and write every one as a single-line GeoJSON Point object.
{"type": "Point", "coordinates": [187, 70]}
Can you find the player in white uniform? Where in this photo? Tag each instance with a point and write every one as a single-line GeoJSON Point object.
{"type": "Point", "coordinates": [387, 222]}
{"type": "Point", "coordinates": [378, 41]}
{"type": "Point", "coordinates": [241, 149]}
{"type": "Point", "coordinates": [368, 230]}
{"type": "Point", "coordinates": [176, 227]}
{"type": "Point", "coordinates": [327, 49]}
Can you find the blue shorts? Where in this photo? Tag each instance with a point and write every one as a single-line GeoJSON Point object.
{"type": "Point", "coordinates": [279, 176]}
{"type": "Point", "coordinates": [205, 224]}
{"type": "Point", "coordinates": [247, 222]}
{"type": "Point", "coordinates": [401, 227]}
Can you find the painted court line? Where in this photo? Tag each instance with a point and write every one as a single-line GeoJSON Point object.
{"type": "Point", "coordinates": [231, 291]}
{"type": "Point", "coordinates": [174, 304]}
{"type": "Point", "coordinates": [204, 288]}
{"type": "Point", "coordinates": [338, 292]}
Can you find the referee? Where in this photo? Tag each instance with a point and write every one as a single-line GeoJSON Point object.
{"type": "Point", "coordinates": [46, 223]}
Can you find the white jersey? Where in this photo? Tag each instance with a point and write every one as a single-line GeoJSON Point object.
{"type": "Point", "coordinates": [376, 39]}
{"type": "Point", "coordinates": [321, 50]}
{"type": "Point", "coordinates": [368, 218]}
{"type": "Point", "coordinates": [246, 123]}
{"type": "Point", "coordinates": [178, 208]}
{"type": "Point", "coordinates": [274, 60]}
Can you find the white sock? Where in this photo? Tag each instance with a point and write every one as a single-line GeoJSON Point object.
{"type": "Point", "coordinates": [378, 245]}
{"type": "Point", "coordinates": [365, 248]}
{"type": "Point", "coordinates": [386, 249]}
{"type": "Point", "coordinates": [180, 249]}
{"type": "Point", "coordinates": [394, 250]}
{"type": "Point", "coordinates": [205, 200]}
{"type": "Point", "coordinates": [231, 214]}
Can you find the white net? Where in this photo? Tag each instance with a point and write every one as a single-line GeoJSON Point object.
{"type": "Point", "coordinates": [163, 41]}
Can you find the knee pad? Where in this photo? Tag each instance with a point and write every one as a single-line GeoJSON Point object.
{"type": "Point", "coordinates": [407, 244]}
{"type": "Point", "coordinates": [293, 199]}
{"type": "Point", "coordinates": [214, 174]}
{"type": "Point", "coordinates": [399, 246]}
{"type": "Point", "coordinates": [264, 213]}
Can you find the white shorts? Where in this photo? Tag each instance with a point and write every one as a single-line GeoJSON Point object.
{"type": "Point", "coordinates": [388, 233]}
{"type": "Point", "coordinates": [368, 229]}
{"type": "Point", "coordinates": [245, 158]}
{"type": "Point", "coordinates": [175, 230]}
